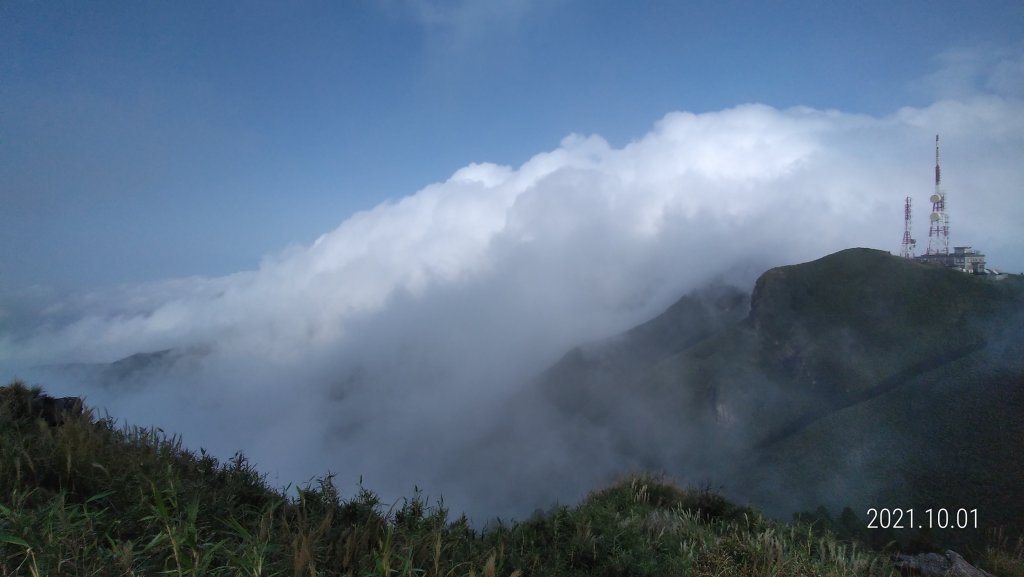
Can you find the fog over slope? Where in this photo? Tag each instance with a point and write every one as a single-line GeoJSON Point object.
{"type": "Point", "coordinates": [382, 350]}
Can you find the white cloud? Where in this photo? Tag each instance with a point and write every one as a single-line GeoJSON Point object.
{"type": "Point", "coordinates": [386, 344]}
{"type": "Point", "coordinates": [1007, 76]}
{"type": "Point", "coordinates": [971, 72]}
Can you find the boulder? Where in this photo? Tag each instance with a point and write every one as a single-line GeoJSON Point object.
{"type": "Point", "coordinates": [56, 410]}
{"type": "Point", "coordinates": [934, 565]}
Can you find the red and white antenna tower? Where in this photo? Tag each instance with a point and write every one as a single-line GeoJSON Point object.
{"type": "Point", "coordinates": [938, 231]}
{"type": "Point", "coordinates": [907, 250]}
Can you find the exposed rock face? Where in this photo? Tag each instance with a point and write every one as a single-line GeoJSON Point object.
{"type": "Point", "coordinates": [934, 565]}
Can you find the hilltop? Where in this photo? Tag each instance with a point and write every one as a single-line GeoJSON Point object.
{"type": "Point", "coordinates": [859, 379]}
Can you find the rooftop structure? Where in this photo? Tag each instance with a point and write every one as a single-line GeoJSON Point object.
{"type": "Point", "coordinates": [963, 258]}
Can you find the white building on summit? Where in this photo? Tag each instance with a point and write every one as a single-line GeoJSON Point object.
{"type": "Point", "coordinates": [964, 258]}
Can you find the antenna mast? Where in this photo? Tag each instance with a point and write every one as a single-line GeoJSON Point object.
{"type": "Point", "coordinates": [938, 231]}
{"type": "Point", "coordinates": [907, 250]}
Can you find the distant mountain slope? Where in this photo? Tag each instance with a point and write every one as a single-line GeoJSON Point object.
{"type": "Point", "coordinates": [858, 379]}
{"type": "Point", "coordinates": [584, 374]}
{"type": "Point", "coordinates": [128, 371]}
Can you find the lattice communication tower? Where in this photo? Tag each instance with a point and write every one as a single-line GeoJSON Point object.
{"type": "Point", "coordinates": [907, 247]}
{"type": "Point", "coordinates": [938, 230]}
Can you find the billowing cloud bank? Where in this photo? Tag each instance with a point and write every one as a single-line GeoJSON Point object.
{"type": "Point", "coordinates": [383, 348]}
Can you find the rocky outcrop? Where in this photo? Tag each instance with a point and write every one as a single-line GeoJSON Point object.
{"type": "Point", "coordinates": [934, 565]}
{"type": "Point", "coordinates": [56, 410]}
{"type": "Point", "coordinates": [22, 403]}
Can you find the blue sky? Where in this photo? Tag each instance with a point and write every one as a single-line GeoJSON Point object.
{"type": "Point", "coordinates": [163, 139]}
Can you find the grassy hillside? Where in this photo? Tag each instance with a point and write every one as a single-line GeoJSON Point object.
{"type": "Point", "coordinates": [843, 323]}
{"type": "Point", "coordinates": [860, 379]}
{"type": "Point", "coordinates": [89, 498]}
{"type": "Point", "coordinates": [904, 384]}
{"type": "Point", "coordinates": [947, 438]}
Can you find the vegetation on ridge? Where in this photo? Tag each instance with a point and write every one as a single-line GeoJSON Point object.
{"type": "Point", "coordinates": [858, 380]}
{"type": "Point", "coordinates": [90, 498]}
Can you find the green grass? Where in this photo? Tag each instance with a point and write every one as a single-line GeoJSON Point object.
{"type": "Point", "coordinates": [92, 498]}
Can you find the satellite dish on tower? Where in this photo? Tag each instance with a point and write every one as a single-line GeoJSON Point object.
{"type": "Point", "coordinates": [936, 217]}
{"type": "Point", "coordinates": [936, 197]}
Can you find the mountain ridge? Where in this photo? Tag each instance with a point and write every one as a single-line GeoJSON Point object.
{"type": "Point", "coordinates": [763, 401]}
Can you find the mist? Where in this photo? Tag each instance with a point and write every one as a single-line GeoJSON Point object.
{"type": "Point", "coordinates": [386, 349]}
